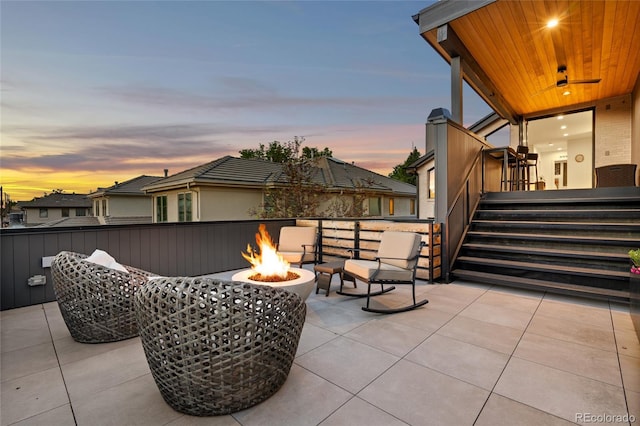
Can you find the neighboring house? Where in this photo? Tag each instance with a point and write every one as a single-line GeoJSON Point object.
{"type": "Point", "coordinates": [229, 188]}
{"type": "Point", "coordinates": [124, 203]}
{"type": "Point", "coordinates": [54, 207]}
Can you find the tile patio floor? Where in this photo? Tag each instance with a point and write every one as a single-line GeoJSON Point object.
{"type": "Point", "coordinates": [475, 355]}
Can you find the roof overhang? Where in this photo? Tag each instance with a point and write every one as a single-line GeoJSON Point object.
{"type": "Point", "coordinates": [511, 59]}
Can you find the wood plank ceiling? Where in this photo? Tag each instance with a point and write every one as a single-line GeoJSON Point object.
{"type": "Point", "coordinates": [520, 56]}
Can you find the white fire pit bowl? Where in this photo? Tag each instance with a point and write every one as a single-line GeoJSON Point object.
{"type": "Point", "coordinates": [302, 286]}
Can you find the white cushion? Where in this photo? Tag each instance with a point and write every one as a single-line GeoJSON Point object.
{"type": "Point", "coordinates": [103, 258]}
{"type": "Point", "coordinates": [366, 268]}
{"type": "Point", "coordinates": [291, 257]}
{"type": "Point", "coordinates": [397, 247]}
{"type": "Point", "coordinates": [293, 238]}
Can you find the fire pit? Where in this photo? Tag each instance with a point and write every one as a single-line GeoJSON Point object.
{"type": "Point", "coordinates": [302, 285]}
{"type": "Point", "coordinates": [268, 267]}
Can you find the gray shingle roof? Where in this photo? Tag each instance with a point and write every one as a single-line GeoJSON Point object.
{"type": "Point", "coordinates": [130, 187]}
{"type": "Point", "coordinates": [335, 174]}
{"type": "Point", "coordinates": [57, 200]}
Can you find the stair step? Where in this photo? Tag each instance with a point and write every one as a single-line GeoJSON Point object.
{"type": "Point", "coordinates": [541, 285]}
{"type": "Point", "coordinates": [591, 239]}
{"type": "Point", "coordinates": [549, 251]}
{"type": "Point", "coordinates": [555, 225]}
{"type": "Point", "coordinates": [558, 269]}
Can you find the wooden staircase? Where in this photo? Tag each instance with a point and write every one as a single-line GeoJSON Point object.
{"type": "Point", "coordinates": [566, 241]}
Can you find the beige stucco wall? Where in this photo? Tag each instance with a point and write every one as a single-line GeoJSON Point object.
{"type": "Point", "coordinates": [210, 204]}
{"type": "Point", "coordinates": [126, 206]}
{"type": "Point", "coordinates": [130, 206]}
{"type": "Point", "coordinates": [32, 216]}
{"type": "Point", "coordinates": [227, 203]}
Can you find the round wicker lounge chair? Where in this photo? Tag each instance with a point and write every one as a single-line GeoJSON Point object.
{"type": "Point", "coordinates": [217, 347]}
{"type": "Point", "coordinates": [96, 302]}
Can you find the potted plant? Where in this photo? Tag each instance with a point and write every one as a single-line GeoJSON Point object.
{"type": "Point", "coordinates": [634, 289]}
{"type": "Point", "coordinates": [634, 255]}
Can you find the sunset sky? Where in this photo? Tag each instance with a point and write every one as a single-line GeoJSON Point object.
{"type": "Point", "coordinates": [97, 92]}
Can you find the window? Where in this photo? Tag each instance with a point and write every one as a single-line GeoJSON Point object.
{"type": "Point", "coordinates": [161, 208]}
{"type": "Point", "coordinates": [65, 212]}
{"type": "Point", "coordinates": [392, 207]}
{"type": "Point", "coordinates": [431, 182]}
{"type": "Point", "coordinates": [412, 206]}
{"type": "Point", "coordinates": [184, 207]}
{"type": "Point", "coordinates": [104, 208]}
{"type": "Point", "coordinates": [81, 212]}
{"type": "Point", "coordinates": [374, 206]}
{"type": "Point", "coordinates": [44, 212]}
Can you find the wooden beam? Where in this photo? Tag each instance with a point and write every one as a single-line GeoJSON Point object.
{"type": "Point", "coordinates": [475, 75]}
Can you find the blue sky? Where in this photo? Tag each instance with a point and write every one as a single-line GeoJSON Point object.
{"type": "Point", "coordinates": [94, 92]}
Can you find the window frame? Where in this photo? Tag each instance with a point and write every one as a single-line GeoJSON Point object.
{"type": "Point", "coordinates": [185, 206]}
{"type": "Point", "coordinates": [161, 210]}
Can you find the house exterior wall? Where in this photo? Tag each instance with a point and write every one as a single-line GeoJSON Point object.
{"type": "Point", "coordinates": [124, 206]}
{"type": "Point", "coordinates": [32, 215]}
{"type": "Point", "coordinates": [129, 206]}
{"type": "Point", "coordinates": [227, 203]}
{"type": "Point", "coordinates": [635, 126]}
{"type": "Point", "coordinates": [613, 131]}
{"type": "Point", "coordinates": [426, 205]}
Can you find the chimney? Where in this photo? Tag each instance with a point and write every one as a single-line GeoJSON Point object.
{"type": "Point", "coordinates": [166, 172]}
{"type": "Point", "coordinates": [116, 183]}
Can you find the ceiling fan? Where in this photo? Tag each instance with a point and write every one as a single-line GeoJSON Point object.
{"type": "Point", "coordinates": [563, 80]}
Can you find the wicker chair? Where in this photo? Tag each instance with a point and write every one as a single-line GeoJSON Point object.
{"type": "Point", "coordinates": [217, 347]}
{"type": "Point", "coordinates": [96, 302]}
{"type": "Point", "coordinates": [616, 175]}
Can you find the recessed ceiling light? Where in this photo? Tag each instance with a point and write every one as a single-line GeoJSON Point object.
{"type": "Point", "coordinates": [552, 23]}
{"type": "Point", "coordinates": [566, 93]}
{"type": "Point", "coordinates": [565, 134]}
{"type": "Point", "coordinates": [561, 117]}
{"type": "Point", "coordinates": [559, 149]}
{"type": "Point", "coordinates": [563, 127]}
{"type": "Point", "coordinates": [550, 144]}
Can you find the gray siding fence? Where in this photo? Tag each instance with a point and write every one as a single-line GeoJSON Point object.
{"type": "Point", "coordinates": [169, 249]}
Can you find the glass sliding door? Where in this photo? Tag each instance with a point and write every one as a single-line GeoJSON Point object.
{"type": "Point", "coordinates": [564, 144]}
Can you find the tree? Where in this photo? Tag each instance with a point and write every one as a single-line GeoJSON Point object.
{"type": "Point", "coordinates": [279, 152]}
{"type": "Point", "coordinates": [301, 196]}
{"type": "Point", "coordinates": [314, 153]}
{"type": "Point", "coordinates": [400, 171]}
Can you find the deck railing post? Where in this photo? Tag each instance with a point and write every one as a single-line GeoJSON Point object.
{"type": "Point", "coordinates": [356, 240]}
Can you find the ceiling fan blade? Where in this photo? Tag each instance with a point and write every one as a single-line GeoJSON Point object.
{"type": "Point", "coordinates": [553, 86]}
{"type": "Point", "coordinates": [589, 81]}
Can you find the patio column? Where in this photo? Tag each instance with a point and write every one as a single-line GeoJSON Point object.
{"type": "Point", "coordinates": [456, 89]}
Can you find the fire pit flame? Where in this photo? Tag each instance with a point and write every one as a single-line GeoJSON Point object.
{"type": "Point", "coordinates": [268, 264]}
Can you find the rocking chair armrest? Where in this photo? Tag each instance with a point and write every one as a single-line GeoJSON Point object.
{"type": "Point", "coordinates": [352, 251]}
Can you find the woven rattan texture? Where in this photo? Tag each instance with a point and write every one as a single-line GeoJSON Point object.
{"type": "Point", "coordinates": [96, 302]}
{"type": "Point", "coordinates": [217, 347]}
